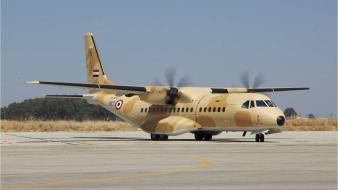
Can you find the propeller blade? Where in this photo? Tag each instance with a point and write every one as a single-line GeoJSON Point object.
{"type": "Point", "coordinates": [245, 79]}
{"type": "Point", "coordinates": [258, 81]}
{"type": "Point", "coordinates": [157, 82]}
{"type": "Point", "coordinates": [170, 76]}
{"type": "Point", "coordinates": [184, 81]}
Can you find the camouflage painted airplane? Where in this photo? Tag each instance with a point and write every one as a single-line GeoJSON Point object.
{"type": "Point", "coordinates": [164, 111]}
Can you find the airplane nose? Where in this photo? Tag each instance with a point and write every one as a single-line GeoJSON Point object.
{"type": "Point", "coordinates": [280, 120]}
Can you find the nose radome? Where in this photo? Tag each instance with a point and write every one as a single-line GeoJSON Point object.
{"type": "Point", "coordinates": [280, 120]}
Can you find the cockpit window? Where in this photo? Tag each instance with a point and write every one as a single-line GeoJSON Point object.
{"type": "Point", "coordinates": [246, 104]}
{"type": "Point", "coordinates": [260, 103]}
{"type": "Point", "coordinates": [252, 104]}
{"type": "Point", "coordinates": [269, 103]}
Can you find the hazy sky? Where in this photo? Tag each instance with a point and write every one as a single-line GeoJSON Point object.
{"type": "Point", "coordinates": [291, 42]}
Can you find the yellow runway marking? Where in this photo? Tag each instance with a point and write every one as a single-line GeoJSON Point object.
{"type": "Point", "coordinates": [203, 163]}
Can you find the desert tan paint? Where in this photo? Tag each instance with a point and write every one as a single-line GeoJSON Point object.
{"type": "Point", "coordinates": [93, 63]}
{"type": "Point", "coordinates": [199, 109]}
{"type": "Point", "coordinates": [234, 118]}
{"type": "Point", "coordinates": [135, 109]}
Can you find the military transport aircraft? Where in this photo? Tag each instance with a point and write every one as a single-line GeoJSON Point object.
{"type": "Point", "coordinates": [170, 110]}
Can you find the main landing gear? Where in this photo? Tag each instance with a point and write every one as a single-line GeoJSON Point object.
{"type": "Point", "coordinates": [156, 137]}
{"type": "Point", "coordinates": [203, 136]}
{"type": "Point", "coordinates": [259, 137]}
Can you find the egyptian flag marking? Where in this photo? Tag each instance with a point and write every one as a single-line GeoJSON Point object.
{"type": "Point", "coordinates": [96, 73]}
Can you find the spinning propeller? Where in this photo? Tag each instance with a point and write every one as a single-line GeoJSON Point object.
{"type": "Point", "coordinates": [257, 81]}
{"type": "Point", "coordinates": [172, 91]}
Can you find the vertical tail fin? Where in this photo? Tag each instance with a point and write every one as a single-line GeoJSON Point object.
{"type": "Point", "coordinates": [95, 72]}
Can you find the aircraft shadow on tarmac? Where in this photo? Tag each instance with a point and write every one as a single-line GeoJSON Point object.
{"type": "Point", "coordinates": [143, 139]}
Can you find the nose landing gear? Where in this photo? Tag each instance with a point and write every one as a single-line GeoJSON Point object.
{"type": "Point", "coordinates": [259, 137]}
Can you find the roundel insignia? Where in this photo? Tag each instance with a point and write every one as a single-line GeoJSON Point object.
{"type": "Point", "coordinates": [118, 104]}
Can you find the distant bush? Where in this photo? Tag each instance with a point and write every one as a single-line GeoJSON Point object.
{"type": "Point", "coordinates": [290, 113]}
{"type": "Point", "coordinates": [311, 116]}
{"type": "Point", "coordinates": [55, 109]}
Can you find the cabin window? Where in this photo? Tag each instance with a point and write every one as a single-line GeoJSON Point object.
{"type": "Point", "coordinates": [209, 110]}
{"type": "Point", "coordinates": [145, 110]}
{"type": "Point", "coordinates": [252, 104]}
{"type": "Point", "coordinates": [186, 109]}
{"type": "Point", "coordinates": [178, 109]}
{"type": "Point", "coordinates": [219, 109]}
{"type": "Point", "coordinates": [141, 109]}
{"type": "Point", "coordinates": [245, 104]}
{"type": "Point", "coordinates": [205, 109]}
{"type": "Point", "coordinates": [260, 103]}
{"type": "Point", "coordinates": [269, 103]}
{"type": "Point", "coordinates": [223, 109]}
{"type": "Point", "coordinates": [273, 103]}
{"type": "Point", "coordinates": [214, 110]}
{"type": "Point", "coordinates": [191, 109]}
{"type": "Point", "coordinates": [200, 109]}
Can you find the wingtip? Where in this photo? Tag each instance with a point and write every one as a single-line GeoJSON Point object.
{"type": "Point", "coordinates": [32, 82]}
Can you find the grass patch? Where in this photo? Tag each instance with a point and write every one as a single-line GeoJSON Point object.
{"type": "Point", "coordinates": [88, 126]}
{"type": "Point", "coordinates": [310, 125]}
{"type": "Point", "coordinates": [50, 126]}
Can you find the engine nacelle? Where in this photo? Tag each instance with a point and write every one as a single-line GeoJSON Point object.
{"type": "Point", "coordinates": [155, 95]}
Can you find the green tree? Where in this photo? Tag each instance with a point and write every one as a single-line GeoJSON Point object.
{"type": "Point", "coordinates": [290, 112]}
{"type": "Point", "coordinates": [55, 109]}
{"type": "Point", "coordinates": [311, 116]}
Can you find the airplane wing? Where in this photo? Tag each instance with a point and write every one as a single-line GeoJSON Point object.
{"type": "Point", "coordinates": [253, 90]}
{"type": "Point", "coordinates": [275, 89]}
{"type": "Point", "coordinates": [107, 87]}
{"type": "Point", "coordinates": [119, 89]}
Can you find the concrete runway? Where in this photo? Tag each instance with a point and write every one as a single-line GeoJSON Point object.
{"type": "Point", "coordinates": [128, 160]}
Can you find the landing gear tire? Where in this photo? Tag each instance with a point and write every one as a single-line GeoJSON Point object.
{"type": "Point", "coordinates": [262, 138]}
{"type": "Point", "coordinates": [163, 137]}
{"type": "Point", "coordinates": [259, 137]}
{"type": "Point", "coordinates": [207, 137]}
{"type": "Point", "coordinates": [198, 137]}
{"type": "Point", "coordinates": [156, 137]}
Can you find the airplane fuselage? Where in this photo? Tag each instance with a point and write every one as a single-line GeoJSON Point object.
{"type": "Point", "coordinates": [201, 110]}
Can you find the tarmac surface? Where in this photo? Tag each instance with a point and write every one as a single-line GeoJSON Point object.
{"type": "Point", "coordinates": [128, 160]}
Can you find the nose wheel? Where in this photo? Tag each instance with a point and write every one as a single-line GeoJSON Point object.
{"type": "Point", "coordinates": [259, 137]}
